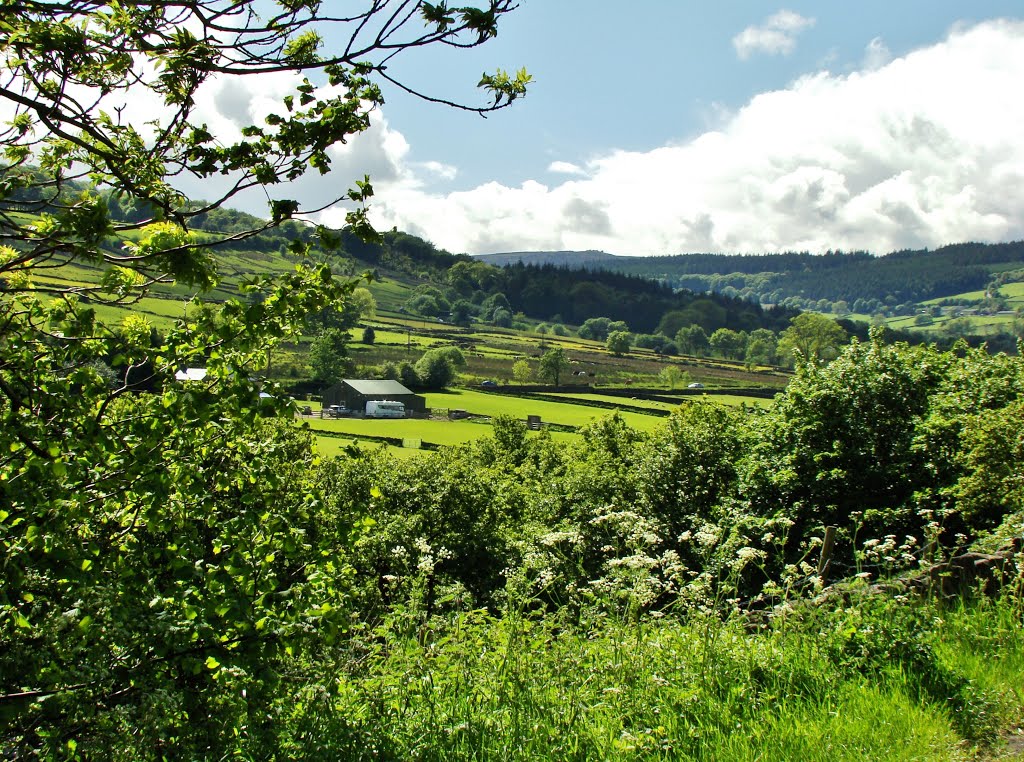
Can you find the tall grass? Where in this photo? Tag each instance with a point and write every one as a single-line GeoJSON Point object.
{"type": "Point", "coordinates": [834, 684]}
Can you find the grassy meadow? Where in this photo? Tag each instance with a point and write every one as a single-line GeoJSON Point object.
{"type": "Point", "coordinates": [521, 688]}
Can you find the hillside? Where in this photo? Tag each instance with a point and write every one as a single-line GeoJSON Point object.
{"type": "Point", "coordinates": [413, 276]}
{"type": "Point", "coordinates": [802, 279]}
{"type": "Point", "coordinates": [573, 259]}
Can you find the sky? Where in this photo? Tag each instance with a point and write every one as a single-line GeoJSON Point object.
{"type": "Point", "coordinates": [670, 126]}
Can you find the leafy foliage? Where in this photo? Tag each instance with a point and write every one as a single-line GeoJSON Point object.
{"type": "Point", "coordinates": [182, 578]}
{"type": "Point", "coordinates": [618, 343]}
{"type": "Point", "coordinates": [552, 364]}
{"type": "Point", "coordinates": [328, 356]}
{"type": "Point", "coordinates": [811, 337]}
{"type": "Point", "coordinates": [161, 561]}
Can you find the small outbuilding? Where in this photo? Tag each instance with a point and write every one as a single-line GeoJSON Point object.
{"type": "Point", "coordinates": [355, 393]}
{"type": "Point", "coordinates": [190, 374]}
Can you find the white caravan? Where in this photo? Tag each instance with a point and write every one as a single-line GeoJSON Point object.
{"type": "Point", "coordinates": [385, 409]}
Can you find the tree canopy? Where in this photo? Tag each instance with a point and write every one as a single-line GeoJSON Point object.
{"type": "Point", "coordinates": [552, 364]}
{"type": "Point", "coordinates": [811, 337]}
{"type": "Point", "coordinates": [158, 539]}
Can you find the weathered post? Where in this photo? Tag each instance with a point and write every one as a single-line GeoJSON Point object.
{"type": "Point", "coordinates": [827, 544]}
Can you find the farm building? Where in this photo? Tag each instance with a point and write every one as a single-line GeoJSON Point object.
{"type": "Point", "coordinates": [355, 393]}
{"type": "Point", "coordinates": [190, 374]}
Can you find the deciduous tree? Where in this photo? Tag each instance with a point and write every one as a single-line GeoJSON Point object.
{"type": "Point", "coordinates": [673, 376]}
{"type": "Point", "coordinates": [811, 337]}
{"type": "Point", "coordinates": [552, 365]}
{"type": "Point", "coordinates": [729, 343]}
{"type": "Point", "coordinates": [692, 340]}
{"type": "Point", "coordinates": [521, 371]}
{"type": "Point", "coordinates": [436, 370]}
{"type": "Point", "coordinates": [158, 549]}
{"type": "Point", "coordinates": [328, 356]}
{"type": "Point", "coordinates": [618, 343]}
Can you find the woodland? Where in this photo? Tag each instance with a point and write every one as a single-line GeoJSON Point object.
{"type": "Point", "coordinates": [903, 276]}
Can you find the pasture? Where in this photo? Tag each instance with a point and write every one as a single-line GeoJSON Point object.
{"type": "Point", "coordinates": [561, 410]}
{"type": "Point", "coordinates": [441, 433]}
{"type": "Point", "coordinates": [562, 413]}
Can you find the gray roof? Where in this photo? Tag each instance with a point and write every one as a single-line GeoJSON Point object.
{"type": "Point", "coordinates": [376, 388]}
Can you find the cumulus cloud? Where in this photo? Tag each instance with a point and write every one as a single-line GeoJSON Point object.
{"type": "Point", "coordinates": [228, 105]}
{"type": "Point", "coordinates": [566, 168]}
{"type": "Point", "coordinates": [876, 54]}
{"type": "Point", "coordinates": [776, 36]}
{"type": "Point", "coordinates": [921, 151]}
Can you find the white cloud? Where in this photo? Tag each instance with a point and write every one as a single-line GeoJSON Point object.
{"type": "Point", "coordinates": [876, 54]}
{"type": "Point", "coordinates": [777, 35]}
{"type": "Point", "coordinates": [436, 168]}
{"type": "Point", "coordinates": [566, 168]}
{"type": "Point", "coordinates": [380, 152]}
{"type": "Point", "coordinates": [917, 151]}
{"type": "Point", "coordinates": [227, 104]}
{"type": "Point", "coordinates": [923, 151]}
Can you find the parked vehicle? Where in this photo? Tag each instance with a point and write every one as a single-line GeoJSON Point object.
{"type": "Point", "coordinates": [488, 384]}
{"type": "Point", "coordinates": [695, 385]}
{"type": "Point", "coordinates": [385, 409]}
{"type": "Point", "coordinates": [337, 411]}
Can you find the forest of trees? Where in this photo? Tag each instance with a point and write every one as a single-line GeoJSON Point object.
{"type": "Point", "coordinates": [802, 280]}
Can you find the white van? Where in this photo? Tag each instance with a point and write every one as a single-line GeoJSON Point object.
{"type": "Point", "coordinates": [385, 409]}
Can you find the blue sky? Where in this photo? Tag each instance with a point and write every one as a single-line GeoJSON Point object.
{"type": "Point", "coordinates": [635, 76]}
{"type": "Point", "coordinates": [665, 127]}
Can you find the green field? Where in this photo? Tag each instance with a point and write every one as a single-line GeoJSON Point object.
{"type": "Point", "coordinates": [722, 399]}
{"type": "Point", "coordinates": [564, 413]}
{"type": "Point", "coordinates": [612, 399]}
{"type": "Point", "coordinates": [439, 432]}
{"type": "Point", "coordinates": [445, 432]}
{"type": "Point", "coordinates": [329, 446]}
{"type": "Point", "coordinates": [332, 446]}
{"type": "Point", "coordinates": [559, 409]}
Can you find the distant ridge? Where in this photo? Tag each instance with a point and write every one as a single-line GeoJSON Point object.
{"type": "Point", "coordinates": [857, 281]}
{"type": "Point", "coordinates": [557, 258]}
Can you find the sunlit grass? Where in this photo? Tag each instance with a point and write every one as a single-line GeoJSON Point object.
{"type": "Point", "coordinates": [565, 413]}
{"type": "Point", "coordinates": [529, 689]}
{"type": "Point", "coordinates": [439, 432]}
{"type": "Point", "coordinates": [333, 446]}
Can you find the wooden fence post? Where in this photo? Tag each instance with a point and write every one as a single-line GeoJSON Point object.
{"type": "Point", "coordinates": [826, 551]}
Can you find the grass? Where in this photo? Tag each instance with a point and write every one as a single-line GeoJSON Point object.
{"type": "Point", "coordinates": [564, 413]}
{"type": "Point", "coordinates": [436, 431]}
{"type": "Point", "coordinates": [440, 432]}
{"type": "Point", "coordinates": [334, 446]}
{"type": "Point", "coordinates": [448, 433]}
{"type": "Point", "coordinates": [389, 293]}
{"type": "Point", "coordinates": [516, 688]}
{"type": "Point", "coordinates": [444, 433]}
{"type": "Point", "coordinates": [615, 400]}
{"type": "Point", "coordinates": [723, 399]}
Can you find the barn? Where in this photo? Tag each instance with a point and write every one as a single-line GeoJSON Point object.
{"type": "Point", "coordinates": [355, 393]}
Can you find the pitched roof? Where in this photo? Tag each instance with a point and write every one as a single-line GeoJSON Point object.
{"type": "Point", "coordinates": [376, 388]}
